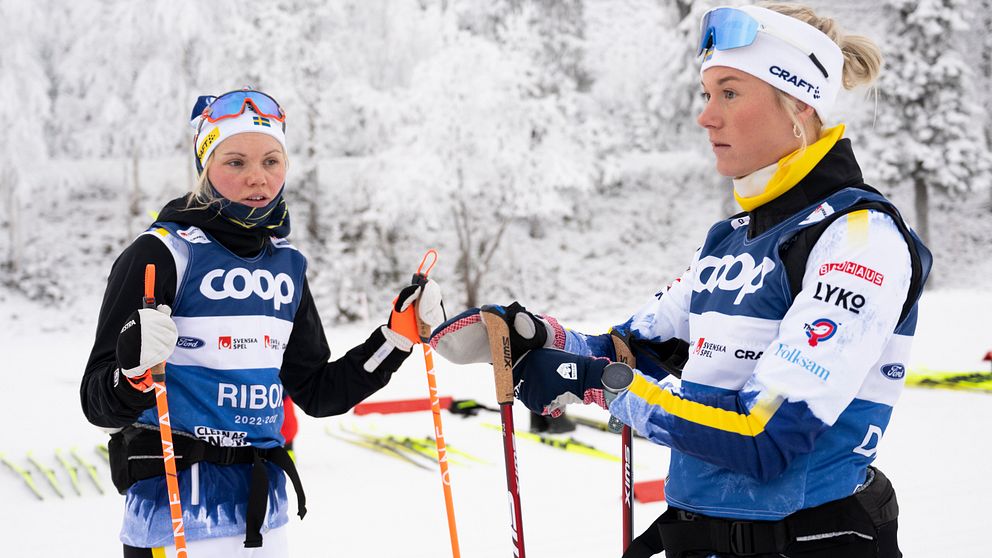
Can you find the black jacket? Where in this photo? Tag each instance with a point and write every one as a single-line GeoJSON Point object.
{"type": "Point", "coordinates": [319, 387]}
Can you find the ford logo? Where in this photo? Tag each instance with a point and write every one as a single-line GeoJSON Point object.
{"type": "Point", "coordinates": [894, 371]}
{"type": "Point", "coordinates": [190, 343]}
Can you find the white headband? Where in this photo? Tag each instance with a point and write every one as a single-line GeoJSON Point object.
{"type": "Point", "coordinates": [210, 135]}
{"type": "Point", "coordinates": [777, 57]}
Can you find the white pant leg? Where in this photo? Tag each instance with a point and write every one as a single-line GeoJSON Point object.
{"type": "Point", "coordinates": [275, 544]}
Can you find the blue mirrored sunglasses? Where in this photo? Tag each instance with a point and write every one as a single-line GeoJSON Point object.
{"type": "Point", "coordinates": [729, 28]}
{"type": "Point", "coordinates": [233, 103]}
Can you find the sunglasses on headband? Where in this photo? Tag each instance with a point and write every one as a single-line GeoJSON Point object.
{"type": "Point", "coordinates": [728, 28]}
{"type": "Point", "coordinates": [233, 103]}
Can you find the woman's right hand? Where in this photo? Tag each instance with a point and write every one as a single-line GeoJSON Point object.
{"type": "Point", "coordinates": [464, 339]}
{"type": "Point", "coordinates": [148, 338]}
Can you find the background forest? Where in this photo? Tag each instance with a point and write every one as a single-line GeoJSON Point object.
{"type": "Point", "coordinates": [548, 149]}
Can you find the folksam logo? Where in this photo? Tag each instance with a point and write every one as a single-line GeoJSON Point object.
{"type": "Point", "coordinates": [894, 371]}
{"type": "Point", "coordinates": [795, 356]}
{"type": "Point", "coordinates": [820, 330]}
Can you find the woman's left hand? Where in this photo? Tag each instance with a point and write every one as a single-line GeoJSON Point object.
{"type": "Point", "coordinates": [417, 304]}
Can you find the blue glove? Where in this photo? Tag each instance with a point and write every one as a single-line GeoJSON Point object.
{"type": "Point", "coordinates": [547, 379]}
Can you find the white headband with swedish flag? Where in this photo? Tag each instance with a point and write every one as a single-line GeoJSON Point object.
{"type": "Point", "coordinates": [210, 134]}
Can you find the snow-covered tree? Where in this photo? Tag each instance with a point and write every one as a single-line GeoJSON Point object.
{"type": "Point", "coordinates": [495, 152]}
{"type": "Point", "coordinates": [931, 141]}
{"type": "Point", "coordinates": [24, 104]}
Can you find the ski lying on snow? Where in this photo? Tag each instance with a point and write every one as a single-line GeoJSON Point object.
{"type": "Point", "coordinates": [378, 446]}
{"type": "Point", "coordinates": [463, 407]}
{"type": "Point", "coordinates": [566, 444]}
{"type": "Point", "coordinates": [24, 474]}
{"type": "Point", "coordinates": [419, 447]}
{"type": "Point", "coordinates": [48, 473]}
{"type": "Point", "coordinates": [90, 468]}
{"type": "Point", "coordinates": [70, 469]}
{"type": "Point", "coordinates": [965, 381]}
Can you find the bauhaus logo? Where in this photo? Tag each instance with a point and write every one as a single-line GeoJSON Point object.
{"type": "Point", "coordinates": [732, 273]}
{"type": "Point", "coordinates": [240, 283]}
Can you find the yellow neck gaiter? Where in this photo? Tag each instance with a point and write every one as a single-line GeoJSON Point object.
{"type": "Point", "coordinates": [792, 168]}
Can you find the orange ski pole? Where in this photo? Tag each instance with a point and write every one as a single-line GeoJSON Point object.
{"type": "Point", "coordinates": [423, 333]}
{"type": "Point", "coordinates": [168, 450]}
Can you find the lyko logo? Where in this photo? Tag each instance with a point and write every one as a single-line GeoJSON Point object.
{"type": "Point", "coordinates": [239, 284]}
{"type": "Point", "coordinates": [732, 273]}
{"type": "Point", "coordinates": [820, 330]}
{"type": "Point", "coordinates": [848, 300]}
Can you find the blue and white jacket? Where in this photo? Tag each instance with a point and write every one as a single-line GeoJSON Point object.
{"type": "Point", "coordinates": [249, 333]}
{"type": "Point", "coordinates": [787, 389]}
{"type": "Point", "coordinates": [234, 316]}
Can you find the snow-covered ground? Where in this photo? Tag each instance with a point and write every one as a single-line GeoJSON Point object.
{"type": "Point", "coordinates": [937, 452]}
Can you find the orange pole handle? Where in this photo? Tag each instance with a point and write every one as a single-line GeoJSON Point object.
{"type": "Point", "coordinates": [165, 428]}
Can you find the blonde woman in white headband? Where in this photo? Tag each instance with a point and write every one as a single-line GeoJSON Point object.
{"type": "Point", "coordinates": [790, 329]}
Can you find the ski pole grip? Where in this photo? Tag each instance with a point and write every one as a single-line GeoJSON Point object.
{"type": "Point", "coordinates": [622, 349]}
{"type": "Point", "coordinates": [420, 279]}
{"type": "Point", "coordinates": [423, 330]}
{"type": "Point", "coordinates": [499, 347]}
{"type": "Point", "coordinates": [149, 299]}
{"type": "Point", "coordinates": [617, 377]}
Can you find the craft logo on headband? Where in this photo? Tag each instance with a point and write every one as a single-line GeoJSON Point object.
{"type": "Point", "coordinates": [784, 52]}
{"type": "Point", "coordinates": [795, 80]}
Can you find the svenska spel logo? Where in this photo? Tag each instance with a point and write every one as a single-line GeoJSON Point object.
{"type": "Point", "coordinates": [820, 330]}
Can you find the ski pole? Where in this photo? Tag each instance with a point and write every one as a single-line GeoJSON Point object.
{"type": "Point", "coordinates": [424, 331]}
{"type": "Point", "coordinates": [626, 356]}
{"type": "Point", "coordinates": [165, 428]}
{"type": "Point", "coordinates": [499, 347]}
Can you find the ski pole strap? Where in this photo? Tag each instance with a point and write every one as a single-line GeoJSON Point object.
{"type": "Point", "coordinates": [133, 457]}
{"type": "Point", "coordinates": [842, 523]}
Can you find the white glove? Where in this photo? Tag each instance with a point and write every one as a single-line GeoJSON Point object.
{"type": "Point", "coordinates": [147, 338]}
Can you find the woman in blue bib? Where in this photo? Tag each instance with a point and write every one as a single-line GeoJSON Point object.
{"type": "Point", "coordinates": [789, 330]}
{"type": "Point", "coordinates": [239, 331]}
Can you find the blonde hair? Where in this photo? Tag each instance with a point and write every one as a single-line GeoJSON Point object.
{"type": "Point", "coordinates": [201, 196]}
{"type": "Point", "coordinates": [863, 59]}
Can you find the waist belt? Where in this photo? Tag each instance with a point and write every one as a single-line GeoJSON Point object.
{"type": "Point", "coordinates": [136, 454]}
{"type": "Point", "coordinates": [856, 517]}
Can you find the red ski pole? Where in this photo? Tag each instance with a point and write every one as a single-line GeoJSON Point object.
{"type": "Point", "coordinates": [165, 428]}
{"type": "Point", "coordinates": [499, 346]}
{"type": "Point", "coordinates": [625, 356]}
